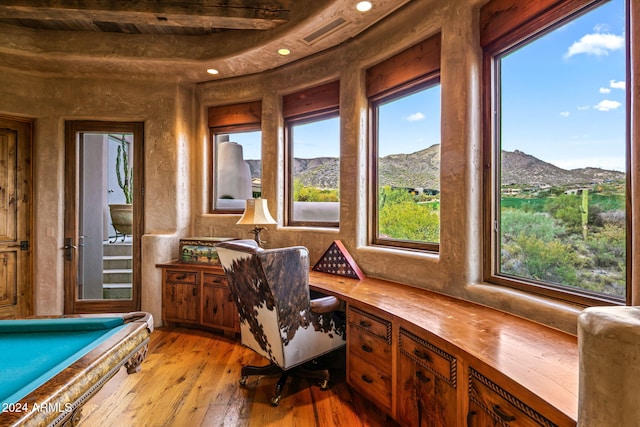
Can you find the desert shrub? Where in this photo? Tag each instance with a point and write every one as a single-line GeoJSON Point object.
{"type": "Point", "coordinates": [548, 261]}
{"type": "Point", "coordinates": [400, 217]}
{"type": "Point", "coordinates": [515, 223]}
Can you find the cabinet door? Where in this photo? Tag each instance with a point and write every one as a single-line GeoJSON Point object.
{"type": "Point", "coordinates": [182, 302]}
{"type": "Point", "coordinates": [219, 309]}
{"type": "Point", "coordinates": [182, 297]}
{"type": "Point", "coordinates": [424, 397]}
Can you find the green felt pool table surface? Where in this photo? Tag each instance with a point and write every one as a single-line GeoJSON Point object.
{"type": "Point", "coordinates": [50, 367]}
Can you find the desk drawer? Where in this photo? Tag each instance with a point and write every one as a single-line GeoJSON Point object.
{"type": "Point", "coordinates": [501, 405]}
{"type": "Point", "coordinates": [428, 355]}
{"type": "Point", "coordinates": [369, 347]}
{"type": "Point", "coordinates": [370, 323]}
{"type": "Point", "coordinates": [370, 381]}
{"type": "Point", "coordinates": [214, 279]}
{"type": "Point", "coordinates": [182, 277]}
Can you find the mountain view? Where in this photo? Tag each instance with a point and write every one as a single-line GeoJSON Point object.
{"type": "Point", "coordinates": [420, 169]}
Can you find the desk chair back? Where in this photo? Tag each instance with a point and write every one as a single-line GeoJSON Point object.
{"type": "Point", "coordinates": [271, 290]}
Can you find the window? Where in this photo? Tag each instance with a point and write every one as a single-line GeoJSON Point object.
{"type": "Point", "coordinates": [236, 155]}
{"type": "Point", "coordinates": [557, 188]}
{"type": "Point", "coordinates": [312, 122]}
{"type": "Point", "coordinates": [404, 94]}
{"type": "Point", "coordinates": [238, 169]}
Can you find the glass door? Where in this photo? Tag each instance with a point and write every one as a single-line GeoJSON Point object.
{"type": "Point", "coordinates": [102, 216]}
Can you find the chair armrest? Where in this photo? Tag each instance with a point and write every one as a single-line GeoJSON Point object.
{"type": "Point", "coordinates": [325, 304]}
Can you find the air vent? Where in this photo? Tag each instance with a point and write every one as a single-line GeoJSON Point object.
{"type": "Point", "coordinates": [325, 30]}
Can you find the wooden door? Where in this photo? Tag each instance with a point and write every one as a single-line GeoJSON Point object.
{"type": "Point", "coordinates": [16, 284]}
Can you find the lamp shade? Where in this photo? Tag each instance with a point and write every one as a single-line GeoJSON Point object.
{"type": "Point", "coordinates": [256, 213]}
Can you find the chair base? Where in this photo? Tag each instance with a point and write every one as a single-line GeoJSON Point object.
{"type": "Point", "coordinates": [310, 370]}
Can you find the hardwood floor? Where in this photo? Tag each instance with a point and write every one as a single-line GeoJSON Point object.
{"type": "Point", "coordinates": [190, 378]}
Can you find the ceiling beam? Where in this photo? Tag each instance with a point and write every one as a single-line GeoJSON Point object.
{"type": "Point", "coordinates": [229, 14]}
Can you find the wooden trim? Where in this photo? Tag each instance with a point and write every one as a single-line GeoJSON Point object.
{"type": "Point", "coordinates": [311, 100]}
{"type": "Point", "coordinates": [415, 62]}
{"type": "Point", "coordinates": [507, 22]}
{"type": "Point", "coordinates": [248, 113]}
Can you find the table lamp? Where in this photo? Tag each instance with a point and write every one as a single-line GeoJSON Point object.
{"type": "Point", "coordinates": [257, 213]}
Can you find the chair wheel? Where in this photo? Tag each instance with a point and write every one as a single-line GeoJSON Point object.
{"type": "Point", "coordinates": [243, 380]}
{"type": "Point", "coordinates": [275, 400]}
{"type": "Point", "coordinates": [324, 385]}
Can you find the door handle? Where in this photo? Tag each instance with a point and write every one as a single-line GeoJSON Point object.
{"type": "Point", "coordinates": [68, 248]}
{"type": "Point", "coordinates": [24, 245]}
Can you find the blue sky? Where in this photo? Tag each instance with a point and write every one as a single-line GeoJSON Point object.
{"type": "Point", "coordinates": [563, 101]}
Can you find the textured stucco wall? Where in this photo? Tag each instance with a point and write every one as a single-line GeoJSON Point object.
{"type": "Point", "coordinates": [457, 269]}
{"type": "Point", "coordinates": [167, 112]}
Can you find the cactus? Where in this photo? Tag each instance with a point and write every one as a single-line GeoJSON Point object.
{"type": "Point", "coordinates": [124, 173]}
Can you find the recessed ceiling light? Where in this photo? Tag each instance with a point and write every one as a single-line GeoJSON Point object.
{"type": "Point", "coordinates": [212, 71]}
{"type": "Point", "coordinates": [364, 6]}
{"type": "Point", "coordinates": [284, 51]}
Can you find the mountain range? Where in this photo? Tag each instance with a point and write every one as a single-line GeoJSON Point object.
{"type": "Point", "coordinates": [420, 170]}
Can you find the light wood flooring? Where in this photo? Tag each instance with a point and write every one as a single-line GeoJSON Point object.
{"type": "Point", "coordinates": [190, 378]}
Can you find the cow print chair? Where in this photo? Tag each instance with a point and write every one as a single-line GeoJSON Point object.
{"type": "Point", "coordinates": [278, 319]}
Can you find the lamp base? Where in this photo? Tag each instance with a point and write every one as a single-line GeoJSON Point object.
{"type": "Point", "coordinates": [256, 235]}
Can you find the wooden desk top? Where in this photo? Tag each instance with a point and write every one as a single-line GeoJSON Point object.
{"type": "Point", "coordinates": [541, 359]}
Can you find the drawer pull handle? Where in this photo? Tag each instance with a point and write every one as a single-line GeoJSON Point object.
{"type": "Point", "coordinates": [470, 416]}
{"type": "Point", "coordinates": [422, 355]}
{"type": "Point", "coordinates": [366, 379]}
{"type": "Point", "coordinates": [367, 349]}
{"type": "Point", "coordinates": [181, 276]}
{"type": "Point", "coordinates": [422, 377]}
{"type": "Point", "coordinates": [505, 417]}
{"type": "Point", "coordinates": [365, 324]}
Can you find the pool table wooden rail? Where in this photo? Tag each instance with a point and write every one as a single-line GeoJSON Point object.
{"type": "Point", "coordinates": [59, 401]}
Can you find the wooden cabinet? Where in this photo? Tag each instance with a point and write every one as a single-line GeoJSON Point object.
{"type": "Point", "coordinates": [427, 378]}
{"type": "Point", "coordinates": [432, 360]}
{"type": "Point", "coordinates": [181, 296]}
{"type": "Point", "coordinates": [492, 405]}
{"type": "Point", "coordinates": [198, 295]}
{"type": "Point", "coordinates": [218, 308]}
{"type": "Point", "coordinates": [369, 367]}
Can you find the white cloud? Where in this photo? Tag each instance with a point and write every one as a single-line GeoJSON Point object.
{"type": "Point", "coordinates": [605, 90]}
{"type": "Point", "coordinates": [606, 105]}
{"type": "Point", "coordinates": [415, 117]}
{"type": "Point", "coordinates": [597, 44]}
{"type": "Point", "coordinates": [564, 113]}
{"type": "Point", "coordinates": [617, 85]}
{"type": "Point", "coordinates": [583, 107]}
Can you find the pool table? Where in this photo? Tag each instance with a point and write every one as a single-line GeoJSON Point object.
{"type": "Point", "coordinates": [49, 367]}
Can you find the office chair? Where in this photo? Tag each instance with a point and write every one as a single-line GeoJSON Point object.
{"type": "Point", "coordinates": [278, 320]}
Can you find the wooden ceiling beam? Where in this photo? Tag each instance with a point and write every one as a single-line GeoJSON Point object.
{"type": "Point", "coordinates": [229, 14]}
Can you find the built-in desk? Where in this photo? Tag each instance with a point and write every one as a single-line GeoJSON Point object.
{"type": "Point", "coordinates": [452, 362]}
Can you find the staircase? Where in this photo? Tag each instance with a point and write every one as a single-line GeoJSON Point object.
{"type": "Point", "coordinates": [117, 270]}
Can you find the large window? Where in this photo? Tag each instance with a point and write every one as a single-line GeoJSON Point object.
{"type": "Point", "coordinates": [558, 184]}
{"type": "Point", "coordinates": [312, 122]}
{"type": "Point", "coordinates": [236, 164]}
{"type": "Point", "coordinates": [404, 93]}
